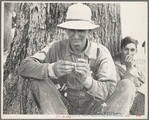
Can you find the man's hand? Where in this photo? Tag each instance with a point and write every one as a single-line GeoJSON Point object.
{"type": "Point", "coordinates": [62, 68]}
{"type": "Point", "coordinates": [83, 69]}
{"type": "Point", "coordinates": [129, 61]}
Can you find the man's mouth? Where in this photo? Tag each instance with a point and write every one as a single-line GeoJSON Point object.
{"type": "Point", "coordinates": [76, 41]}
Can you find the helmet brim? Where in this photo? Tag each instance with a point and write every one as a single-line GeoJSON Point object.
{"type": "Point", "coordinates": [79, 25]}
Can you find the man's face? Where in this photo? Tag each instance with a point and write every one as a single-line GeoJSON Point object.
{"type": "Point", "coordinates": [77, 38]}
{"type": "Point", "coordinates": [129, 49]}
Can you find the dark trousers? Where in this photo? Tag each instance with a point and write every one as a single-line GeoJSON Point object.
{"type": "Point", "coordinates": [80, 102]}
{"type": "Point", "coordinates": [51, 101]}
{"type": "Point", "coordinates": [138, 106]}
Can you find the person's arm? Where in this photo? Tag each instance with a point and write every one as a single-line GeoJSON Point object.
{"type": "Point", "coordinates": [133, 73]}
{"type": "Point", "coordinates": [44, 64]}
{"type": "Point", "coordinates": [106, 81]}
{"type": "Point", "coordinates": [136, 75]}
{"type": "Point", "coordinates": [37, 66]}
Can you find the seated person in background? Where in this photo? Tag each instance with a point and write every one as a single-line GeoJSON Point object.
{"type": "Point", "coordinates": [82, 71]}
{"type": "Point", "coordinates": [127, 68]}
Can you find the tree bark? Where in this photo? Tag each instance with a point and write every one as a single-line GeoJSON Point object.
{"type": "Point", "coordinates": [35, 28]}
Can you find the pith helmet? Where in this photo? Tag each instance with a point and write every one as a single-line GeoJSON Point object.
{"type": "Point", "coordinates": [78, 17]}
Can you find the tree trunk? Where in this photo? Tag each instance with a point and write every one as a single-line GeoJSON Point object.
{"type": "Point", "coordinates": [35, 28]}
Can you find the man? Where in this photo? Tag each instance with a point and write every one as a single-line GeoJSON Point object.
{"type": "Point", "coordinates": [83, 72]}
{"type": "Point", "coordinates": [127, 68]}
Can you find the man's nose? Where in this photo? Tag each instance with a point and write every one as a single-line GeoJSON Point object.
{"type": "Point", "coordinates": [76, 34]}
{"type": "Point", "coordinates": [129, 52]}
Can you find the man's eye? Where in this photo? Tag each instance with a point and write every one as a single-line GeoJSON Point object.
{"type": "Point", "coordinates": [71, 30]}
{"type": "Point", "coordinates": [81, 30]}
{"type": "Point", "coordinates": [132, 50]}
{"type": "Point", "coordinates": [126, 49]}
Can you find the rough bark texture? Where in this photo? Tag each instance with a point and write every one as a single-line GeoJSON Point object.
{"type": "Point", "coordinates": [36, 27]}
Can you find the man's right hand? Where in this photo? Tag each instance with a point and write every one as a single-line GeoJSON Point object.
{"type": "Point", "coordinates": [63, 67]}
{"type": "Point", "coordinates": [129, 61]}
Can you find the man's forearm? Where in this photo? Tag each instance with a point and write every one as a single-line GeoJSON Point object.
{"type": "Point", "coordinates": [132, 78]}
{"type": "Point", "coordinates": [132, 70]}
{"type": "Point", "coordinates": [31, 68]}
{"type": "Point", "coordinates": [99, 89]}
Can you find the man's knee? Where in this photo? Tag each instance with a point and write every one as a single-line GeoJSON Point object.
{"type": "Point", "coordinates": [127, 86]}
{"type": "Point", "coordinates": [48, 97]}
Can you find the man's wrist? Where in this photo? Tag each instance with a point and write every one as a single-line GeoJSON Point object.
{"type": "Point", "coordinates": [87, 82]}
{"type": "Point", "coordinates": [129, 66]}
{"type": "Point", "coordinates": [131, 70]}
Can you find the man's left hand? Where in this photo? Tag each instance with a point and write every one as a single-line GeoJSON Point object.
{"type": "Point", "coordinates": [83, 69]}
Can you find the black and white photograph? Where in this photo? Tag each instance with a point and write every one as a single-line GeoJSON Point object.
{"type": "Point", "coordinates": [74, 59]}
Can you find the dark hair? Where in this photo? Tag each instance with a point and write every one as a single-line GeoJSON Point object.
{"type": "Point", "coordinates": [128, 40]}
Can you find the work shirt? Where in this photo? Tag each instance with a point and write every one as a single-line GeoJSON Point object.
{"type": "Point", "coordinates": [139, 78]}
{"type": "Point", "coordinates": [102, 67]}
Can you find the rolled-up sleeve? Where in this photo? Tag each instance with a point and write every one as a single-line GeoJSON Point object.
{"type": "Point", "coordinates": [36, 66]}
{"type": "Point", "coordinates": [31, 68]}
{"type": "Point", "coordinates": [105, 73]}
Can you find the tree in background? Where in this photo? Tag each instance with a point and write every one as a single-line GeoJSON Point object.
{"type": "Point", "coordinates": [35, 28]}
